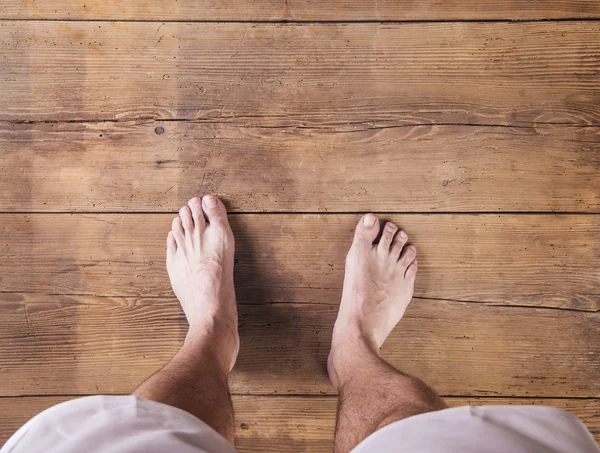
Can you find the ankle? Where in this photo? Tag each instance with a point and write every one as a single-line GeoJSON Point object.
{"type": "Point", "coordinates": [216, 342]}
{"type": "Point", "coordinates": [351, 352]}
{"type": "Point", "coordinates": [350, 336]}
{"type": "Point", "coordinates": [213, 326]}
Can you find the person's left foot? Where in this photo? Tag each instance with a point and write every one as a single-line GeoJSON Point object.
{"type": "Point", "coordinates": [378, 286]}
{"type": "Point", "coordinates": [200, 255]}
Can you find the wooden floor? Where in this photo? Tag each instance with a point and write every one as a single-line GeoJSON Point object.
{"type": "Point", "coordinates": [476, 128]}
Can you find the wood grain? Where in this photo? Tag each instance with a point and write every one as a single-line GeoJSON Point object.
{"type": "Point", "coordinates": [116, 115]}
{"type": "Point", "coordinates": [84, 344]}
{"type": "Point", "coordinates": [519, 73]}
{"type": "Point", "coordinates": [154, 166]}
{"type": "Point", "coordinates": [545, 260]}
{"type": "Point", "coordinates": [297, 10]}
{"type": "Point", "coordinates": [292, 424]}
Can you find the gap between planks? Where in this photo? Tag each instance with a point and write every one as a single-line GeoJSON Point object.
{"type": "Point", "coordinates": [310, 213]}
{"type": "Point", "coordinates": [309, 303]}
{"type": "Point", "coordinates": [313, 396]}
{"type": "Point", "coordinates": [310, 22]}
{"type": "Point", "coordinates": [228, 120]}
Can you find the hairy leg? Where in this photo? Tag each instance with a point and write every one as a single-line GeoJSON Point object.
{"type": "Point", "coordinates": [378, 286]}
{"type": "Point", "coordinates": [200, 249]}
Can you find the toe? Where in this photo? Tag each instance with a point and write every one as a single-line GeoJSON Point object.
{"type": "Point", "coordinates": [195, 205]}
{"type": "Point", "coordinates": [411, 271]}
{"type": "Point", "coordinates": [177, 229]}
{"type": "Point", "coordinates": [214, 209]}
{"type": "Point", "coordinates": [408, 255]}
{"type": "Point", "coordinates": [399, 242]}
{"type": "Point", "coordinates": [366, 230]}
{"type": "Point", "coordinates": [186, 219]}
{"type": "Point", "coordinates": [389, 230]}
{"type": "Point", "coordinates": [171, 245]}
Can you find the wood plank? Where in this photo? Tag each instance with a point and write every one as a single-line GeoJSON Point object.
{"type": "Point", "coordinates": [547, 260]}
{"type": "Point", "coordinates": [297, 10]}
{"type": "Point", "coordinates": [82, 167]}
{"type": "Point", "coordinates": [519, 73]}
{"type": "Point", "coordinates": [67, 344]}
{"type": "Point", "coordinates": [292, 424]}
{"type": "Point", "coordinates": [306, 424]}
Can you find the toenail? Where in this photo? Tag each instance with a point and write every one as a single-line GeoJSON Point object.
{"type": "Point", "coordinates": [369, 220]}
{"type": "Point", "coordinates": [211, 201]}
{"type": "Point", "coordinates": [403, 235]}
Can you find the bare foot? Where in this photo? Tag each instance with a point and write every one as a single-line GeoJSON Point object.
{"type": "Point", "coordinates": [378, 286]}
{"type": "Point", "coordinates": [200, 249]}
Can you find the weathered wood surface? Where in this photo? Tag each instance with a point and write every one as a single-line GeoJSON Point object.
{"type": "Point", "coordinates": [296, 10]}
{"type": "Point", "coordinates": [395, 117]}
{"type": "Point", "coordinates": [518, 73]}
{"type": "Point", "coordinates": [291, 424]}
{"type": "Point", "coordinates": [83, 344]}
{"type": "Point", "coordinates": [155, 166]}
{"type": "Point", "coordinates": [546, 260]}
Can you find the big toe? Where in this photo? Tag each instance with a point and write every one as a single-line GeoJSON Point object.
{"type": "Point", "coordinates": [214, 209]}
{"type": "Point", "coordinates": [367, 230]}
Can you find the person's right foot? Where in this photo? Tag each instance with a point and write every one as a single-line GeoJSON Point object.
{"type": "Point", "coordinates": [200, 249]}
{"type": "Point", "coordinates": [378, 286]}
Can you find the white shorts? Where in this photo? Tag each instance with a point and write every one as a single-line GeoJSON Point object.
{"type": "Point", "coordinates": [127, 424]}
